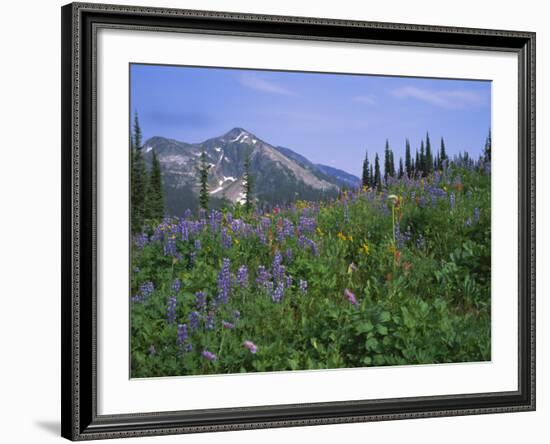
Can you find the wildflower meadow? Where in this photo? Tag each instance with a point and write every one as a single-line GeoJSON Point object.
{"type": "Point", "coordinates": [391, 275]}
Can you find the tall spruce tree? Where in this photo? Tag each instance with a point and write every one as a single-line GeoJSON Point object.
{"type": "Point", "coordinates": [154, 199]}
{"type": "Point", "coordinates": [429, 163]}
{"type": "Point", "coordinates": [248, 183]}
{"type": "Point", "coordinates": [387, 161]}
{"type": "Point", "coordinates": [442, 154]}
{"type": "Point", "coordinates": [138, 182]}
{"type": "Point", "coordinates": [365, 179]}
{"type": "Point", "coordinates": [392, 164]}
{"type": "Point", "coordinates": [422, 160]}
{"type": "Point", "coordinates": [377, 178]}
{"type": "Point", "coordinates": [408, 163]}
{"type": "Point", "coordinates": [204, 167]}
{"type": "Point", "coordinates": [487, 148]}
{"type": "Point", "coordinates": [401, 170]}
{"type": "Point", "coordinates": [371, 176]}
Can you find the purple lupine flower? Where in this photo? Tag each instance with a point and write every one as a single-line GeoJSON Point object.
{"type": "Point", "coordinates": [200, 300]}
{"type": "Point", "coordinates": [249, 345]}
{"type": "Point", "coordinates": [198, 245]}
{"type": "Point", "coordinates": [236, 225]}
{"type": "Point", "coordinates": [226, 238]}
{"type": "Point", "coordinates": [171, 310]}
{"type": "Point", "coordinates": [277, 269]}
{"type": "Point", "coordinates": [307, 224]}
{"type": "Point", "coordinates": [288, 281]}
{"type": "Point", "coordinates": [242, 276]}
{"type": "Point", "coordinates": [401, 238]}
{"type": "Point", "coordinates": [476, 214]}
{"type": "Point", "coordinates": [187, 213]}
{"type": "Point", "coordinates": [194, 320]}
{"type": "Point", "coordinates": [182, 333]}
{"type": "Point", "coordinates": [176, 285]}
{"type": "Point", "coordinates": [215, 219]}
{"type": "Point", "coordinates": [229, 217]}
{"type": "Point", "coordinates": [141, 240]}
{"type": "Point", "coordinates": [262, 276]}
{"type": "Point", "coordinates": [288, 228]}
{"type": "Point", "coordinates": [184, 231]}
{"type": "Point", "coordinates": [452, 201]}
{"type": "Point", "coordinates": [350, 297]}
{"type": "Point", "coordinates": [304, 242]}
{"type": "Point", "coordinates": [182, 338]}
{"type": "Point", "coordinates": [224, 282]}
{"type": "Point", "coordinates": [303, 286]}
{"type": "Point", "coordinates": [289, 255]}
{"type": "Point", "coordinates": [208, 355]}
{"type": "Point", "coordinates": [278, 293]}
{"type": "Point", "coordinates": [146, 289]}
{"type": "Point", "coordinates": [228, 325]}
{"type": "Point", "coordinates": [420, 242]}
{"type": "Point", "coordinates": [192, 257]}
{"type": "Point", "coordinates": [237, 315]}
{"type": "Point", "coordinates": [210, 321]}
{"type": "Point", "coordinates": [266, 222]}
{"type": "Point", "coordinates": [170, 247]}
{"type": "Point", "coordinates": [468, 222]}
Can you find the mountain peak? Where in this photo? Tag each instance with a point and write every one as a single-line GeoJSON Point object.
{"type": "Point", "coordinates": [240, 135]}
{"type": "Point", "coordinates": [237, 132]}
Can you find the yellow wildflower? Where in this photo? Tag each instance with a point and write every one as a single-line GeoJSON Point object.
{"type": "Point", "coordinates": [343, 237]}
{"type": "Point", "coordinates": [320, 232]}
{"type": "Point", "coordinates": [364, 248]}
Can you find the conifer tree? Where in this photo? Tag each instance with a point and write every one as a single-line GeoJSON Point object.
{"type": "Point", "coordinates": [204, 167]}
{"type": "Point", "coordinates": [138, 179]}
{"type": "Point", "coordinates": [401, 171]}
{"type": "Point", "coordinates": [487, 148]}
{"type": "Point", "coordinates": [365, 180]}
{"type": "Point", "coordinates": [392, 164]}
{"type": "Point", "coordinates": [377, 179]}
{"type": "Point", "coordinates": [371, 176]}
{"type": "Point", "coordinates": [408, 164]}
{"type": "Point", "coordinates": [422, 160]}
{"type": "Point", "coordinates": [154, 200]}
{"type": "Point", "coordinates": [429, 163]}
{"type": "Point", "coordinates": [248, 183]}
{"type": "Point", "coordinates": [386, 161]}
{"type": "Point", "coordinates": [442, 154]}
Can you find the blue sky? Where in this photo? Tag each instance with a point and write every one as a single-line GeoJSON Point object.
{"type": "Point", "coordinates": [329, 118]}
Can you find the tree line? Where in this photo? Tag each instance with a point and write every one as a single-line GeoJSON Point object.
{"type": "Point", "coordinates": [423, 163]}
{"type": "Point", "coordinates": [147, 194]}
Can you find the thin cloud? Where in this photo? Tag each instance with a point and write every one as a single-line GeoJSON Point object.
{"type": "Point", "coordinates": [444, 99]}
{"type": "Point", "coordinates": [368, 100]}
{"type": "Point", "coordinates": [254, 82]}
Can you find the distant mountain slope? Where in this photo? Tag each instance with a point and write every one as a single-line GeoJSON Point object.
{"type": "Point", "coordinates": [280, 174]}
{"type": "Point", "coordinates": [345, 178]}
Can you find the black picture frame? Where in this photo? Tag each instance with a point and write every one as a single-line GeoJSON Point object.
{"type": "Point", "coordinates": [80, 420]}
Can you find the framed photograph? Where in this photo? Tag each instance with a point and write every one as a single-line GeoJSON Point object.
{"type": "Point", "coordinates": [280, 221]}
